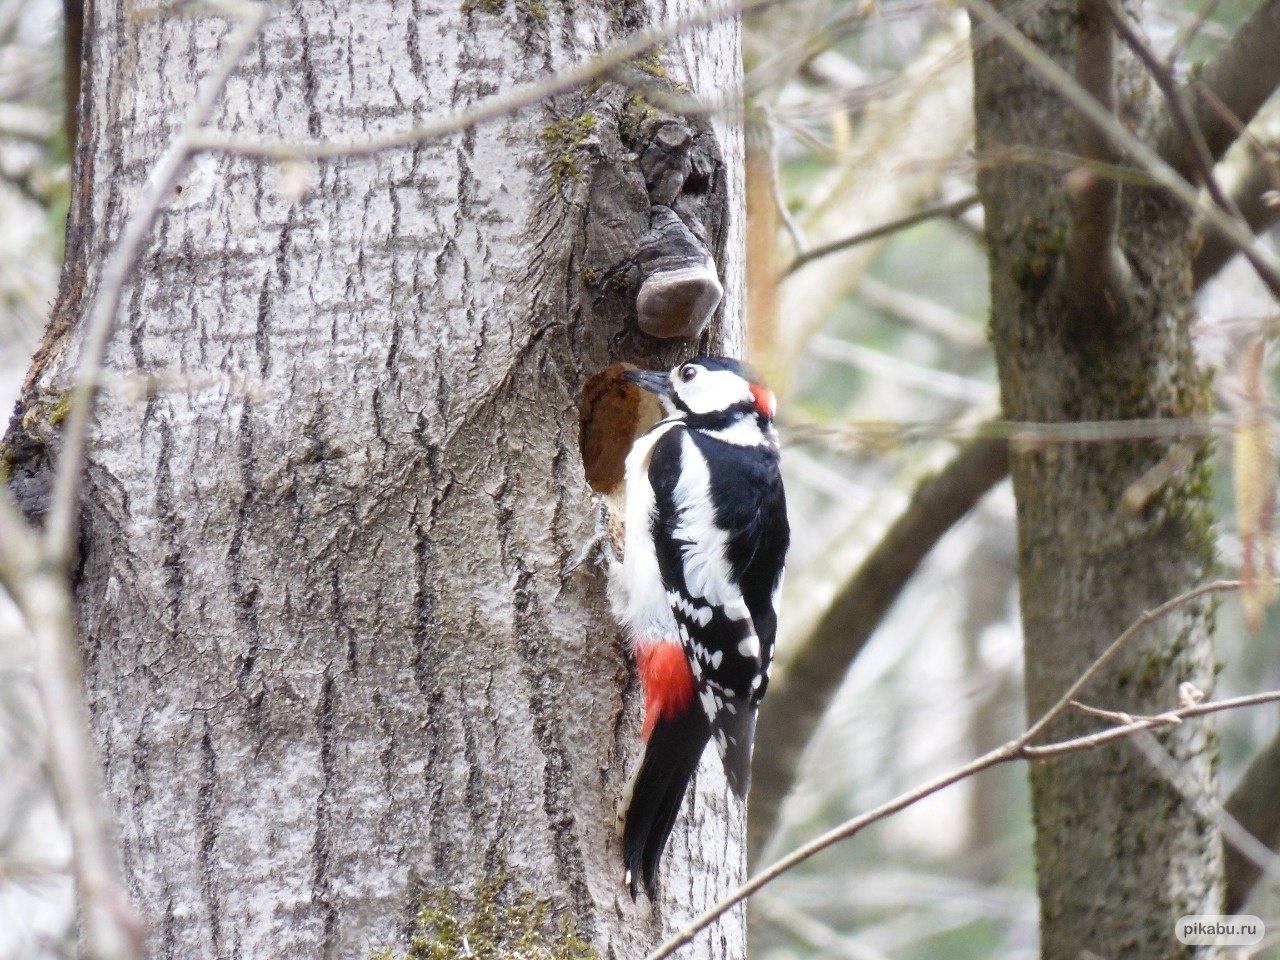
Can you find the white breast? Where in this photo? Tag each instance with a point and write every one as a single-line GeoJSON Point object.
{"type": "Point", "coordinates": [636, 593]}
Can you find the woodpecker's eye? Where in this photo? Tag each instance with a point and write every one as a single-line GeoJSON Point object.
{"type": "Point", "coordinates": [688, 372]}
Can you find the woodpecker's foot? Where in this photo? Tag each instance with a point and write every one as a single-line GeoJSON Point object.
{"type": "Point", "coordinates": [601, 550]}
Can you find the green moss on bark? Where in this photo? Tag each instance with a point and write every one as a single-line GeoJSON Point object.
{"type": "Point", "coordinates": [496, 922]}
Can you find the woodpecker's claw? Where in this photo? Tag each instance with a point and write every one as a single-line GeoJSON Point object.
{"type": "Point", "coordinates": [599, 549]}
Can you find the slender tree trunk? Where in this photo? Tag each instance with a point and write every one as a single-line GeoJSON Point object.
{"type": "Point", "coordinates": [1120, 853]}
{"type": "Point", "coordinates": [335, 658]}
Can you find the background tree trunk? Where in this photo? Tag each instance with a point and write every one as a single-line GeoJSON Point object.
{"type": "Point", "coordinates": [1120, 854]}
{"type": "Point", "coordinates": [332, 657]}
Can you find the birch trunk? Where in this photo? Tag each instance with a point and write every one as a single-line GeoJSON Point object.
{"type": "Point", "coordinates": [333, 656]}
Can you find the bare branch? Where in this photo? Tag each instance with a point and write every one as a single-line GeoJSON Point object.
{"type": "Point", "coordinates": [1021, 434]}
{"type": "Point", "coordinates": [1189, 32]}
{"type": "Point", "coordinates": [1194, 145]}
{"type": "Point", "coordinates": [1235, 836]}
{"type": "Point", "coordinates": [1139, 724]}
{"type": "Point", "coordinates": [63, 511]}
{"type": "Point", "coordinates": [1097, 272]}
{"type": "Point", "coordinates": [1107, 655]}
{"type": "Point", "coordinates": [925, 313]}
{"type": "Point", "coordinates": [800, 695]}
{"type": "Point", "coordinates": [41, 594]}
{"type": "Point", "coordinates": [775, 771]}
{"type": "Point", "coordinates": [1229, 90]}
{"type": "Point", "coordinates": [1193, 142]}
{"type": "Point", "coordinates": [1164, 174]}
{"type": "Point", "coordinates": [1255, 197]}
{"type": "Point", "coordinates": [949, 208]}
{"type": "Point", "coordinates": [48, 608]}
{"type": "Point", "coordinates": [794, 231]}
{"type": "Point", "coordinates": [1019, 748]}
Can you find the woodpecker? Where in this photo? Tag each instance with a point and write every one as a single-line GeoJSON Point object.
{"type": "Point", "coordinates": [697, 588]}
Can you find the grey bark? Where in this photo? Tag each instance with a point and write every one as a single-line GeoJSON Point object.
{"type": "Point", "coordinates": [332, 656]}
{"type": "Point", "coordinates": [1120, 854]}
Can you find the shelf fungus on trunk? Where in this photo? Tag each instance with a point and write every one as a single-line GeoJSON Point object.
{"type": "Point", "coordinates": [651, 189]}
{"type": "Point", "coordinates": [679, 288]}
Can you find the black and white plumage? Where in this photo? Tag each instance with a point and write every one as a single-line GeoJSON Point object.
{"type": "Point", "coordinates": [697, 591]}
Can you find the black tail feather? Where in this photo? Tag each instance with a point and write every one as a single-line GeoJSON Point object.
{"type": "Point", "coordinates": [737, 730]}
{"type": "Point", "coordinates": [670, 759]}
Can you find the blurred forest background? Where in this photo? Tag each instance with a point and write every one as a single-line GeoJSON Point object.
{"type": "Point", "coordinates": [860, 115]}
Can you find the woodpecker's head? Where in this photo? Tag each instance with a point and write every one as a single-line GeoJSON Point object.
{"type": "Point", "coordinates": [708, 387]}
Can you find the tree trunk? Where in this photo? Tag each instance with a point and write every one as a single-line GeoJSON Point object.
{"type": "Point", "coordinates": [334, 659]}
{"type": "Point", "coordinates": [1120, 853]}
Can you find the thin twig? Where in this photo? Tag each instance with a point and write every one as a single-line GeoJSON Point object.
{"type": "Point", "coordinates": [926, 313]}
{"type": "Point", "coordinates": [1252, 804]}
{"type": "Point", "coordinates": [1190, 32]}
{"type": "Point", "coordinates": [108, 918]}
{"type": "Point", "coordinates": [1196, 149]}
{"type": "Point", "coordinates": [1251, 197]}
{"type": "Point", "coordinates": [1236, 836]}
{"type": "Point", "coordinates": [1230, 89]}
{"type": "Point", "coordinates": [1103, 737]}
{"type": "Point", "coordinates": [43, 593]}
{"type": "Point", "coordinates": [602, 65]}
{"type": "Point", "coordinates": [1107, 655]}
{"type": "Point", "coordinates": [798, 239]}
{"type": "Point", "coordinates": [1193, 140]}
{"type": "Point", "coordinates": [1022, 434]}
{"type": "Point", "coordinates": [40, 592]}
{"type": "Point", "coordinates": [1020, 748]}
{"type": "Point", "coordinates": [61, 521]}
{"type": "Point", "coordinates": [949, 208]}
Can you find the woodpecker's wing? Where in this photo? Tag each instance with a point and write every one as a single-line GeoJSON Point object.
{"type": "Point", "coordinates": [706, 549]}
{"type": "Point", "coordinates": [750, 505]}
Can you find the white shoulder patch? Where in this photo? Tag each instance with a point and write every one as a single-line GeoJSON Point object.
{"type": "Point", "coordinates": [706, 568]}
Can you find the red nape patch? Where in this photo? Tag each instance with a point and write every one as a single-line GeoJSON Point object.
{"type": "Point", "coordinates": [765, 402]}
{"type": "Point", "coordinates": [668, 682]}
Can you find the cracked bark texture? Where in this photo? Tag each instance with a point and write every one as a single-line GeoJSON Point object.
{"type": "Point", "coordinates": [1120, 854]}
{"type": "Point", "coordinates": [331, 656]}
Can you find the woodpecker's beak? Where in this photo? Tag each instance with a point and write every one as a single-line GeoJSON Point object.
{"type": "Point", "coordinates": [655, 381]}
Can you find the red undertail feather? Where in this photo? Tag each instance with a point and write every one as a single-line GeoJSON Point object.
{"type": "Point", "coordinates": [668, 682]}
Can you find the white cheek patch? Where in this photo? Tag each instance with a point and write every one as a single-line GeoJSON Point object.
{"type": "Point", "coordinates": [712, 390]}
